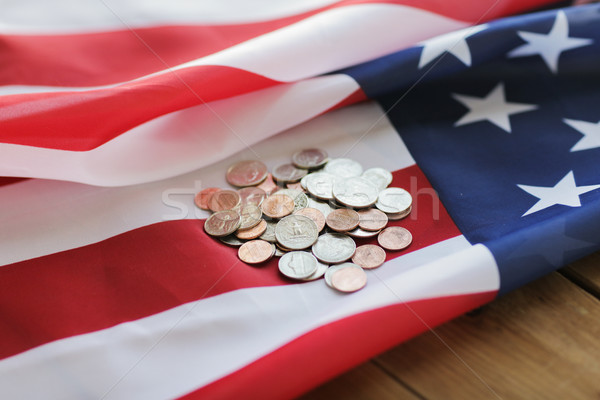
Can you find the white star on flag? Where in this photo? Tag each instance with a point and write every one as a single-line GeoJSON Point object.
{"type": "Point", "coordinates": [565, 192]}
{"type": "Point", "coordinates": [549, 46]}
{"type": "Point", "coordinates": [493, 108]}
{"type": "Point", "coordinates": [590, 132]}
{"type": "Point", "coordinates": [454, 43]}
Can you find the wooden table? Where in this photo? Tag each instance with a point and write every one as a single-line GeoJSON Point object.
{"type": "Point", "coordinates": [539, 342]}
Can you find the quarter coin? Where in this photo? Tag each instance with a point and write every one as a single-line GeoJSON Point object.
{"type": "Point", "coordinates": [334, 248]}
{"type": "Point", "coordinates": [342, 220]}
{"type": "Point", "coordinates": [224, 200]}
{"type": "Point", "coordinates": [355, 192]}
{"type": "Point", "coordinates": [288, 173]}
{"type": "Point", "coordinates": [349, 279]}
{"type": "Point", "coordinates": [222, 223]}
{"type": "Point", "coordinates": [344, 167]}
{"type": "Point", "coordinates": [252, 233]}
{"type": "Point", "coordinates": [394, 238]}
{"type": "Point", "coordinates": [256, 251]}
{"type": "Point", "coordinates": [309, 158]}
{"type": "Point", "coordinates": [379, 177]}
{"type": "Point", "coordinates": [369, 256]}
{"type": "Point", "coordinates": [277, 206]}
{"type": "Point", "coordinates": [202, 198]}
{"type": "Point", "coordinates": [298, 264]}
{"type": "Point", "coordinates": [269, 233]}
{"type": "Point", "coordinates": [247, 173]}
{"type": "Point", "coordinates": [296, 232]}
{"type": "Point", "coordinates": [252, 195]}
{"type": "Point", "coordinates": [320, 185]}
{"type": "Point", "coordinates": [251, 216]}
{"type": "Point", "coordinates": [314, 214]}
{"type": "Point", "coordinates": [394, 200]}
{"type": "Point", "coordinates": [372, 219]}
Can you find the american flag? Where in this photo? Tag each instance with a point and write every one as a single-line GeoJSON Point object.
{"type": "Point", "coordinates": [115, 113]}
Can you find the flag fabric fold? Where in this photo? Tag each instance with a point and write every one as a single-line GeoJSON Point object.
{"type": "Point", "coordinates": [122, 111]}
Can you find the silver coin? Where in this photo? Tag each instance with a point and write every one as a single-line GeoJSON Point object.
{"type": "Point", "coordinates": [355, 192]}
{"type": "Point", "coordinates": [232, 240]}
{"type": "Point", "coordinates": [296, 232]}
{"type": "Point", "coordinates": [288, 173]}
{"type": "Point", "coordinates": [300, 199]}
{"type": "Point", "coordinates": [362, 234]}
{"type": "Point", "coordinates": [379, 177]}
{"type": "Point", "coordinates": [344, 167]}
{"type": "Point", "coordinates": [309, 158]}
{"type": "Point", "coordinates": [269, 234]}
{"type": "Point", "coordinates": [251, 216]}
{"type": "Point", "coordinates": [297, 264]}
{"type": "Point", "coordinates": [303, 181]}
{"type": "Point", "coordinates": [397, 216]}
{"type": "Point", "coordinates": [331, 270]}
{"type": "Point", "coordinates": [252, 195]}
{"type": "Point", "coordinates": [334, 248]}
{"type": "Point", "coordinates": [321, 269]}
{"type": "Point", "coordinates": [320, 185]}
{"type": "Point", "coordinates": [394, 200]}
{"type": "Point", "coordinates": [279, 252]}
{"type": "Point", "coordinates": [320, 205]}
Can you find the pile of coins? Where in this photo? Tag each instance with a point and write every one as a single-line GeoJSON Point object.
{"type": "Point", "coordinates": [307, 212]}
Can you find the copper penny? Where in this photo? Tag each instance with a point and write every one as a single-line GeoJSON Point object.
{"type": "Point", "coordinates": [222, 223]}
{"type": "Point", "coordinates": [288, 173]}
{"type": "Point", "coordinates": [314, 214]}
{"type": "Point", "coordinates": [224, 200]}
{"type": "Point", "coordinates": [278, 206]}
{"type": "Point", "coordinates": [310, 158]}
{"type": "Point", "coordinates": [269, 186]}
{"type": "Point", "coordinates": [247, 173]}
{"type": "Point", "coordinates": [252, 233]}
{"type": "Point", "coordinates": [252, 195]}
{"type": "Point", "coordinates": [372, 219]}
{"type": "Point", "coordinates": [349, 279]}
{"type": "Point", "coordinates": [202, 198]}
{"type": "Point", "coordinates": [256, 251]}
{"type": "Point", "coordinates": [369, 256]}
{"type": "Point", "coordinates": [394, 238]}
{"type": "Point", "coordinates": [342, 220]}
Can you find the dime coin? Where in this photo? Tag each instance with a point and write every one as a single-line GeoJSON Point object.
{"type": "Point", "coordinates": [394, 238]}
{"type": "Point", "coordinates": [319, 205]}
{"type": "Point", "coordinates": [268, 185]}
{"type": "Point", "coordinates": [222, 223]}
{"type": "Point", "coordinates": [320, 185]}
{"type": "Point", "coordinates": [394, 200]}
{"type": "Point", "coordinates": [297, 264]}
{"type": "Point", "coordinates": [343, 167]}
{"type": "Point", "coordinates": [355, 192]}
{"type": "Point", "coordinates": [277, 206]}
{"type": "Point", "coordinates": [231, 240]}
{"type": "Point", "coordinates": [202, 198]}
{"type": "Point", "coordinates": [247, 173]}
{"type": "Point", "coordinates": [314, 214]}
{"type": "Point", "coordinates": [321, 269]}
{"type": "Point", "coordinates": [372, 219]}
{"type": "Point", "coordinates": [309, 158]}
{"type": "Point", "coordinates": [269, 233]}
{"type": "Point", "coordinates": [256, 251]}
{"type": "Point", "coordinates": [279, 252]}
{"type": "Point", "coordinates": [296, 232]}
{"type": "Point", "coordinates": [397, 216]}
{"type": "Point", "coordinates": [342, 220]}
{"type": "Point", "coordinates": [379, 177]}
{"type": "Point", "coordinates": [300, 199]}
{"type": "Point", "coordinates": [362, 234]}
{"type": "Point", "coordinates": [369, 256]}
{"type": "Point", "coordinates": [252, 233]}
{"type": "Point", "coordinates": [348, 279]}
{"type": "Point", "coordinates": [288, 173]}
{"type": "Point", "coordinates": [331, 270]}
{"type": "Point", "coordinates": [252, 195]}
{"type": "Point", "coordinates": [224, 200]}
{"type": "Point", "coordinates": [251, 216]}
{"type": "Point", "coordinates": [334, 248]}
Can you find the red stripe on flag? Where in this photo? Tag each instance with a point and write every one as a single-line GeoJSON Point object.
{"type": "Point", "coordinates": [149, 270]}
{"type": "Point", "coordinates": [329, 350]}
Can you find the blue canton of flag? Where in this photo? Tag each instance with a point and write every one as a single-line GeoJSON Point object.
{"type": "Point", "coordinates": [503, 119]}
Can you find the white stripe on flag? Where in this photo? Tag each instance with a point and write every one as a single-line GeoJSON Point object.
{"type": "Point", "coordinates": [176, 351]}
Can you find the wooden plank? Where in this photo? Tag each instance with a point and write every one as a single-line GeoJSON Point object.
{"type": "Point", "coordinates": [365, 382]}
{"type": "Point", "coordinates": [538, 342]}
{"type": "Point", "coordinates": [586, 273]}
